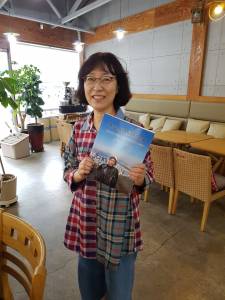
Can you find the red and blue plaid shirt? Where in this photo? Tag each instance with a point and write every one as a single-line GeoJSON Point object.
{"type": "Point", "coordinates": [81, 227]}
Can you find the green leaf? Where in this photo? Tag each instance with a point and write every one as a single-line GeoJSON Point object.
{"type": "Point", "coordinates": [12, 103]}
{"type": "Point", "coordinates": [10, 85]}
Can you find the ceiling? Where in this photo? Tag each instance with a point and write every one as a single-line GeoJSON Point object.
{"type": "Point", "coordinates": [60, 13]}
{"type": "Point", "coordinates": [79, 15]}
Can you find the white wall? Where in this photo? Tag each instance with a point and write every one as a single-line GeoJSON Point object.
{"type": "Point", "coordinates": [157, 60]}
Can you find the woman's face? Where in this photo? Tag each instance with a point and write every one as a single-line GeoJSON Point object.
{"type": "Point", "coordinates": [100, 88]}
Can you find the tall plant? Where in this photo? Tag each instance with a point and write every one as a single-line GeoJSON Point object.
{"type": "Point", "coordinates": [28, 98]}
{"type": "Point", "coordinates": [7, 91]}
{"type": "Point", "coordinates": [31, 91]}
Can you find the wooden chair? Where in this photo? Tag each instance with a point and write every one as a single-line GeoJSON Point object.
{"type": "Point", "coordinates": [64, 130]}
{"type": "Point", "coordinates": [162, 158]}
{"type": "Point", "coordinates": [193, 175]}
{"type": "Point", "coordinates": [22, 255]}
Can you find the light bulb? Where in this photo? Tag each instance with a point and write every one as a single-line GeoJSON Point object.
{"type": "Point", "coordinates": [78, 46]}
{"type": "Point", "coordinates": [120, 32]}
{"type": "Point", "coordinates": [12, 37]}
{"type": "Point", "coordinates": [218, 9]}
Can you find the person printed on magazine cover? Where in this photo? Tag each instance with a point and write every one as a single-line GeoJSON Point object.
{"type": "Point", "coordinates": [108, 173]}
{"type": "Point", "coordinates": [103, 225]}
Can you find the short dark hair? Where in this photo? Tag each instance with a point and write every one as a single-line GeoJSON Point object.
{"type": "Point", "coordinates": [113, 157]}
{"type": "Point", "coordinates": [111, 63]}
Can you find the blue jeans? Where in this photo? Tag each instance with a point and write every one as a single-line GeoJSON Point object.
{"type": "Point", "coordinates": [95, 281]}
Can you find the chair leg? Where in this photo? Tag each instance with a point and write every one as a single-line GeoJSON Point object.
{"type": "Point", "coordinates": [5, 291]}
{"type": "Point", "coordinates": [146, 195]}
{"type": "Point", "coordinates": [171, 196]}
{"type": "Point", "coordinates": [176, 194]}
{"type": "Point", "coordinates": [205, 215]}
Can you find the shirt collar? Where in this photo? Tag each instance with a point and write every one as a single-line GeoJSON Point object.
{"type": "Point", "coordinates": [89, 124]}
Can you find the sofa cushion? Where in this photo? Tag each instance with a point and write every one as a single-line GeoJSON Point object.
{"type": "Point", "coordinates": [217, 130]}
{"type": "Point", "coordinates": [144, 120]}
{"type": "Point", "coordinates": [171, 124]}
{"type": "Point", "coordinates": [132, 115]}
{"type": "Point", "coordinates": [157, 124]}
{"type": "Point", "coordinates": [197, 126]}
{"type": "Point", "coordinates": [220, 181]}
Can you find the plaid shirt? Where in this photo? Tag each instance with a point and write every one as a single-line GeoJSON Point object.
{"type": "Point", "coordinates": [81, 228]}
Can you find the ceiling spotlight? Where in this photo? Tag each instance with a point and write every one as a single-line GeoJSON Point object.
{"type": "Point", "coordinates": [216, 10]}
{"type": "Point", "coordinates": [78, 46]}
{"type": "Point", "coordinates": [12, 37]}
{"type": "Point", "coordinates": [120, 32]}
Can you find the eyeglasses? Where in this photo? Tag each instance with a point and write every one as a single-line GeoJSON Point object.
{"type": "Point", "coordinates": [103, 81]}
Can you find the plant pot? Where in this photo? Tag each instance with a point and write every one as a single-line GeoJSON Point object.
{"type": "Point", "coordinates": [8, 189]}
{"type": "Point", "coordinates": [36, 136]}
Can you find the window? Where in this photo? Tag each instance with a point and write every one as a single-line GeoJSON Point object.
{"type": "Point", "coordinates": [56, 66]}
{"type": "Point", "coordinates": [5, 113]}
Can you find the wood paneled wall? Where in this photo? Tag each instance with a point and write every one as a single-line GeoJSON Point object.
{"type": "Point", "coordinates": [30, 32]}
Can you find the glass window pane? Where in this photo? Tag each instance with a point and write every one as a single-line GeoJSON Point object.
{"type": "Point", "coordinates": [5, 113]}
{"type": "Point", "coordinates": [3, 61]}
{"type": "Point", "coordinates": [56, 66]}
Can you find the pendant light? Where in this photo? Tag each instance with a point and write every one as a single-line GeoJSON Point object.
{"type": "Point", "coordinates": [12, 37]}
{"type": "Point", "coordinates": [78, 45]}
{"type": "Point", "coordinates": [120, 31]}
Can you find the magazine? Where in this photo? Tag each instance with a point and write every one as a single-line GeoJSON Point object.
{"type": "Point", "coordinates": [119, 145]}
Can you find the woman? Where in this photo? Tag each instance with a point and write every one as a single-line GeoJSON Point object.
{"type": "Point", "coordinates": [107, 248]}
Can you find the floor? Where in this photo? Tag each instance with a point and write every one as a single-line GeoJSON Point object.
{"type": "Point", "coordinates": [178, 262]}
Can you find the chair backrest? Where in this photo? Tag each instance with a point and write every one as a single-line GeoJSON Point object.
{"type": "Point", "coordinates": [162, 158]}
{"type": "Point", "coordinates": [22, 255]}
{"type": "Point", "coordinates": [59, 128]}
{"type": "Point", "coordinates": [193, 174]}
{"type": "Point", "coordinates": [64, 130]}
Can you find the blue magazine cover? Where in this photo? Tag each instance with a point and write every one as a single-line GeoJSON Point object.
{"type": "Point", "coordinates": [119, 145]}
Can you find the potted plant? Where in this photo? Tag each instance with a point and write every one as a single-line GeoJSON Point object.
{"type": "Point", "coordinates": [7, 181]}
{"type": "Point", "coordinates": [8, 184]}
{"type": "Point", "coordinates": [32, 101]}
{"type": "Point", "coordinates": [29, 102]}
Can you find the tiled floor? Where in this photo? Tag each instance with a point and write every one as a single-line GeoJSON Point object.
{"type": "Point", "coordinates": [178, 262]}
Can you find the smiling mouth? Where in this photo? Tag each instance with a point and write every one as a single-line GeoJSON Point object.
{"type": "Point", "coordinates": [98, 97]}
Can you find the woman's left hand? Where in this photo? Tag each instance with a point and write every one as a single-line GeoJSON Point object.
{"type": "Point", "coordinates": [137, 174]}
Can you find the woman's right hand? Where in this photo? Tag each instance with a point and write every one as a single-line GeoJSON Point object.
{"type": "Point", "coordinates": [85, 168]}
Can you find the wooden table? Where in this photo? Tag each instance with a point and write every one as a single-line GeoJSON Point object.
{"type": "Point", "coordinates": [214, 146]}
{"type": "Point", "coordinates": [181, 137]}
